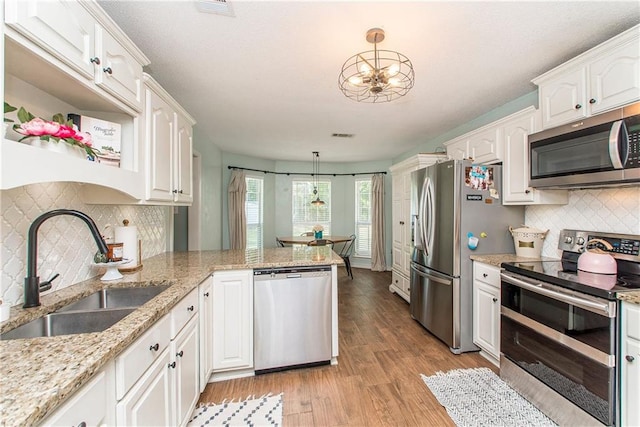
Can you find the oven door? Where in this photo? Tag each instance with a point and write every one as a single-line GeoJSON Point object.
{"type": "Point", "coordinates": [562, 339]}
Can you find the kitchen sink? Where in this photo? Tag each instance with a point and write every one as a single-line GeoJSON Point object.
{"type": "Point", "coordinates": [75, 322]}
{"type": "Point", "coordinates": [115, 298]}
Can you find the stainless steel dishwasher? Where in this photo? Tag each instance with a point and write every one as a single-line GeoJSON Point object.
{"type": "Point", "coordinates": [292, 317]}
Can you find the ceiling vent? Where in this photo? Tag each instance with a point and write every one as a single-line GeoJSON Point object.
{"type": "Point", "coordinates": [342, 135]}
{"type": "Point", "coordinates": [219, 7]}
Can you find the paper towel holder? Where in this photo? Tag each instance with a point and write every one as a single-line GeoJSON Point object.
{"type": "Point", "coordinates": [125, 268]}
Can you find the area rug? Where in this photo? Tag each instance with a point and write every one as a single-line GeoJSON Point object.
{"type": "Point", "coordinates": [478, 397]}
{"type": "Point", "coordinates": [264, 411]}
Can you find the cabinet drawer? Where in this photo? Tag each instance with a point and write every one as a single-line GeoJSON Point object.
{"type": "Point", "coordinates": [486, 273]}
{"type": "Point", "coordinates": [86, 406]}
{"type": "Point", "coordinates": [183, 312]}
{"type": "Point", "coordinates": [631, 316]}
{"type": "Point", "coordinates": [136, 359]}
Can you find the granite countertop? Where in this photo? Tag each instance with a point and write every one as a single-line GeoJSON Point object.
{"type": "Point", "coordinates": [38, 374]}
{"type": "Point", "coordinates": [498, 259]}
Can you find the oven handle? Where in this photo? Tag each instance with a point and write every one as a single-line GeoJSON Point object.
{"type": "Point", "coordinates": [592, 353]}
{"type": "Point", "coordinates": [596, 307]}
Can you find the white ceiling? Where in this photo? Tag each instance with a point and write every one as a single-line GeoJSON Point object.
{"type": "Point", "coordinates": [264, 82]}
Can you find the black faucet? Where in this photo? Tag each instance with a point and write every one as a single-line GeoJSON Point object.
{"type": "Point", "coordinates": [32, 285]}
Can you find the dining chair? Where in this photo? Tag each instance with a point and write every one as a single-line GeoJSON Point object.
{"type": "Point", "coordinates": [321, 242]}
{"type": "Point", "coordinates": [345, 253]}
{"type": "Point", "coordinates": [279, 242]}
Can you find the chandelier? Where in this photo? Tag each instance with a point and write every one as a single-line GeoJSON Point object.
{"type": "Point", "coordinates": [376, 75]}
{"type": "Point", "coordinates": [316, 172]}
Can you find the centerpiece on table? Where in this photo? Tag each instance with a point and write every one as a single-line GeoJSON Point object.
{"type": "Point", "coordinates": [56, 134]}
{"type": "Point", "coordinates": [317, 231]}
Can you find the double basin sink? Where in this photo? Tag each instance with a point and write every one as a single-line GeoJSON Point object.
{"type": "Point", "coordinates": [93, 313]}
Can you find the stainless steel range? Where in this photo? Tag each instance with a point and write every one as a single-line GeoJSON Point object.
{"type": "Point", "coordinates": [559, 328]}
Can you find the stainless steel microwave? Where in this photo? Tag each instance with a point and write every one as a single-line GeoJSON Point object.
{"type": "Point", "coordinates": [599, 151]}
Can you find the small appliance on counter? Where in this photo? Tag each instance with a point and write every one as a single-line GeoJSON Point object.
{"type": "Point", "coordinates": [559, 324]}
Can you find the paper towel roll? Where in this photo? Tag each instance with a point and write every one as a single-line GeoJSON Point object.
{"type": "Point", "coordinates": [128, 236]}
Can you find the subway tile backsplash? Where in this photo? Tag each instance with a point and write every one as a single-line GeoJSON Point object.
{"type": "Point", "coordinates": [65, 244]}
{"type": "Point", "coordinates": [614, 210]}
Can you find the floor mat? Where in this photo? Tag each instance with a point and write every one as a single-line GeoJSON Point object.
{"type": "Point", "coordinates": [264, 411]}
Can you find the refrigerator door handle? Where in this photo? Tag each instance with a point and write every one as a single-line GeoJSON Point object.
{"type": "Point", "coordinates": [430, 276]}
{"type": "Point", "coordinates": [421, 242]}
{"type": "Point", "coordinates": [428, 216]}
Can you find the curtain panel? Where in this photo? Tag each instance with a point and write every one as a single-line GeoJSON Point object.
{"type": "Point", "coordinates": [237, 215]}
{"type": "Point", "coordinates": [378, 257]}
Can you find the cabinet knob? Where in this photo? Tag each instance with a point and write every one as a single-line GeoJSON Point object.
{"type": "Point", "coordinates": [485, 275]}
{"type": "Point", "coordinates": [527, 191]}
{"type": "Point", "coordinates": [592, 101]}
{"type": "Point", "coordinates": [206, 294]}
{"type": "Point", "coordinates": [180, 191]}
{"type": "Point", "coordinates": [180, 354]}
{"type": "Point", "coordinates": [154, 347]}
{"type": "Point", "coordinates": [82, 424]}
{"type": "Point", "coordinates": [401, 222]}
{"type": "Point", "coordinates": [494, 299]}
{"type": "Point", "coordinates": [95, 60]}
{"type": "Point", "coordinates": [190, 308]}
{"type": "Point", "coordinates": [578, 106]}
{"type": "Point", "coordinates": [629, 358]}
{"type": "Point", "coordinates": [175, 191]}
{"type": "Point", "coordinates": [108, 70]}
{"type": "Point", "coordinates": [172, 365]}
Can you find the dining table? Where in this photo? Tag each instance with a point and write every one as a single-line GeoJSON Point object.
{"type": "Point", "coordinates": [304, 240]}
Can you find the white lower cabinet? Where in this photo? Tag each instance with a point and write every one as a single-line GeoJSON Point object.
{"type": "Point", "coordinates": [486, 310]}
{"type": "Point", "coordinates": [233, 317]}
{"type": "Point", "coordinates": [92, 405]}
{"type": "Point", "coordinates": [206, 331]}
{"type": "Point", "coordinates": [630, 365]}
{"type": "Point", "coordinates": [157, 379]}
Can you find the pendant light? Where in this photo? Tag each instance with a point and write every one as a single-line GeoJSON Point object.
{"type": "Point", "coordinates": [316, 172]}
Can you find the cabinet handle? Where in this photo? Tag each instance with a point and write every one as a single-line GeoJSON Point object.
{"type": "Point", "coordinates": [190, 308]}
{"type": "Point", "coordinates": [82, 424]}
{"type": "Point", "coordinates": [401, 222]}
{"type": "Point", "coordinates": [592, 101]}
{"type": "Point", "coordinates": [180, 191]}
{"type": "Point", "coordinates": [495, 299]}
{"type": "Point", "coordinates": [180, 354]}
{"type": "Point", "coordinates": [527, 191]}
{"type": "Point", "coordinates": [172, 365]}
{"type": "Point", "coordinates": [578, 106]}
{"type": "Point", "coordinates": [485, 275]}
{"type": "Point", "coordinates": [95, 60]}
{"type": "Point", "coordinates": [206, 294]}
{"type": "Point", "coordinates": [108, 70]}
{"type": "Point", "coordinates": [629, 358]}
{"type": "Point", "coordinates": [154, 347]}
{"type": "Point", "coordinates": [175, 191]}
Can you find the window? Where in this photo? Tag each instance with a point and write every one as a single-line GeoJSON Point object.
{"type": "Point", "coordinates": [363, 219]}
{"type": "Point", "coordinates": [305, 215]}
{"type": "Point", "coordinates": [253, 209]}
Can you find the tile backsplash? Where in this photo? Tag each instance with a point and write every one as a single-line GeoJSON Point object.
{"type": "Point", "coordinates": [65, 244]}
{"type": "Point", "coordinates": [614, 210]}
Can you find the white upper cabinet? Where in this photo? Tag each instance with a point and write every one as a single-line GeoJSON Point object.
{"type": "Point", "coordinates": [600, 79]}
{"type": "Point", "coordinates": [485, 146]}
{"type": "Point", "coordinates": [118, 72]}
{"type": "Point", "coordinates": [183, 170]}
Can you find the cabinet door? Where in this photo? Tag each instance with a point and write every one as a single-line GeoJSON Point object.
{"type": "Point", "coordinates": [183, 179]}
{"type": "Point", "coordinates": [159, 137]}
{"type": "Point", "coordinates": [486, 146]}
{"type": "Point", "coordinates": [563, 100]}
{"type": "Point", "coordinates": [398, 221]}
{"type": "Point", "coordinates": [458, 150]}
{"type": "Point", "coordinates": [63, 28]}
{"type": "Point", "coordinates": [206, 331]}
{"type": "Point", "coordinates": [515, 168]}
{"type": "Point", "coordinates": [119, 73]}
{"type": "Point", "coordinates": [149, 402]}
{"type": "Point", "coordinates": [406, 223]}
{"type": "Point", "coordinates": [630, 365]}
{"type": "Point", "coordinates": [233, 315]}
{"type": "Point", "coordinates": [486, 317]}
{"type": "Point", "coordinates": [186, 387]}
{"type": "Point", "coordinates": [615, 78]}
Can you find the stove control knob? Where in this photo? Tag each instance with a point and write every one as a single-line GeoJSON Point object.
{"type": "Point", "coordinates": [580, 241]}
{"type": "Point", "coordinates": [568, 239]}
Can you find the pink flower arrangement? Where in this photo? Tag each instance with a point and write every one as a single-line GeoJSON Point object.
{"type": "Point", "coordinates": [54, 130]}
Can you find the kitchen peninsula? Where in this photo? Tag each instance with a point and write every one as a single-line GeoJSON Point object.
{"type": "Point", "coordinates": [38, 374]}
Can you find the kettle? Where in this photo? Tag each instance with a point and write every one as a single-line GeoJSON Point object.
{"type": "Point", "coordinates": [596, 260]}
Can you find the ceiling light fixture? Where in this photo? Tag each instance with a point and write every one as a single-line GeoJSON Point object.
{"type": "Point", "coordinates": [316, 172]}
{"type": "Point", "coordinates": [376, 75]}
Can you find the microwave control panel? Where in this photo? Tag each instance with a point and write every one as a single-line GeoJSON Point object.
{"type": "Point", "coordinates": [621, 246]}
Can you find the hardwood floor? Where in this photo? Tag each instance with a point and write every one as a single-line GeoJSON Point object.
{"type": "Point", "coordinates": [377, 380]}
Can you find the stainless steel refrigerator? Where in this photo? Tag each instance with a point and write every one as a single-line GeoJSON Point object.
{"type": "Point", "coordinates": [456, 211]}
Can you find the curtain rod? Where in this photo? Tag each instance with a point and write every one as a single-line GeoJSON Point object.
{"type": "Point", "coordinates": [301, 173]}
